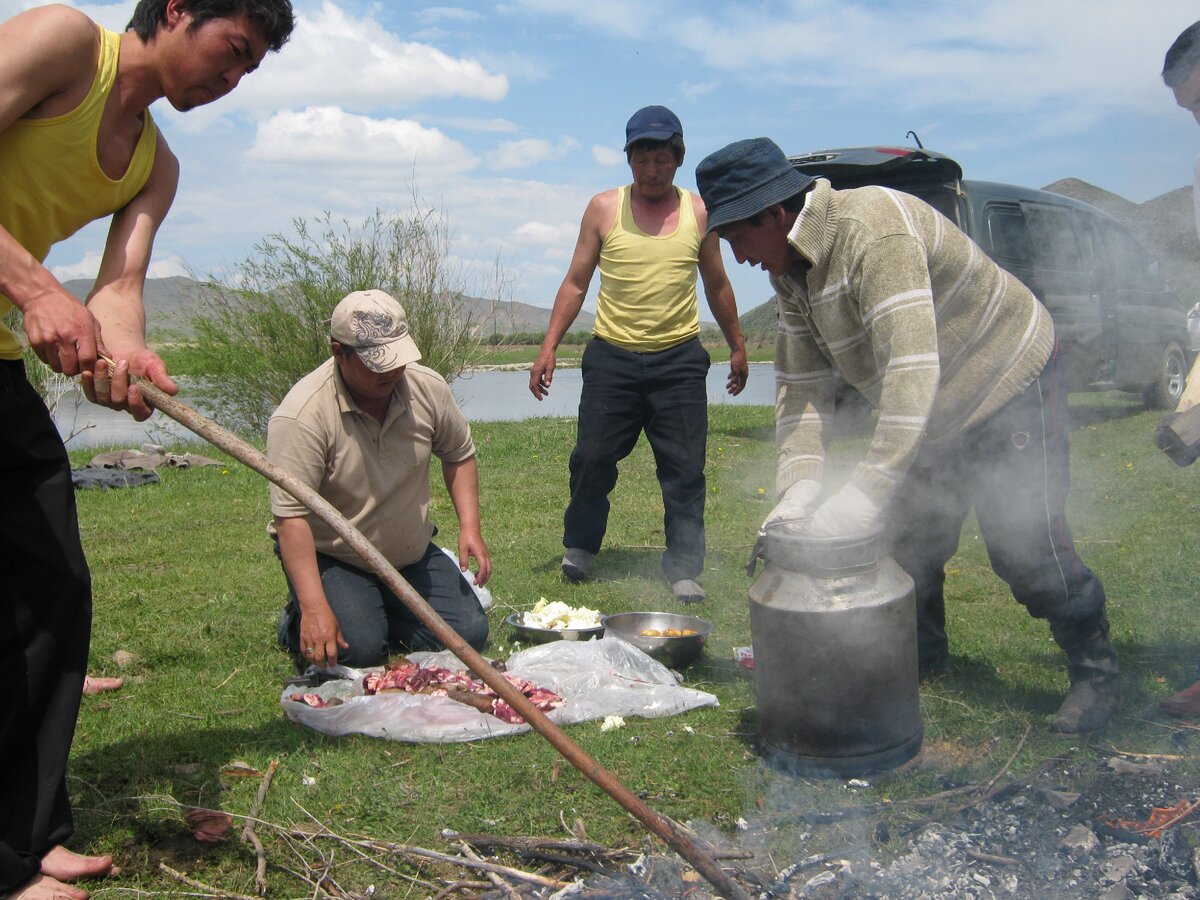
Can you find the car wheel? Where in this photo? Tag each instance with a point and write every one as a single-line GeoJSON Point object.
{"type": "Point", "coordinates": [1165, 392]}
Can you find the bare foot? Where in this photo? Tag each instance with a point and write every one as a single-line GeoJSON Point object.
{"type": "Point", "coordinates": [97, 685]}
{"type": "Point", "coordinates": [43, 887]}
{"type": "Point", "coordinates": [66, 865]}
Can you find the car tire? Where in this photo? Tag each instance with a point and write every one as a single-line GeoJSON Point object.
{"type": "Point", "coordinates": [1165, 391]}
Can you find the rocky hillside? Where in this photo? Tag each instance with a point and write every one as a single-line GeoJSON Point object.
{"type": "Point", "coordinates": [171, 302]}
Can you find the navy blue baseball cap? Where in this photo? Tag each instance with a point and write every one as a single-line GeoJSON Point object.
{"type": "Point", "coordinates": [744, 178]}
{"type": "Point", "coordinates": [652, 123]}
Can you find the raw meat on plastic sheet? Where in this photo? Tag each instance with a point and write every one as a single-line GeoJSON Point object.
{"type": "Point", "coordinates": [599, 678]}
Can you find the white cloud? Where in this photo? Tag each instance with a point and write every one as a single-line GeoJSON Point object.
{"type": "Point", "coordinates": [529, 152]}
{"type": "Point", "coordinates": [545, 234]}
{"type": "Point", "coordinates": [85, 267]}
{"type": "Point", "coordinates": [354, 62]}
{"type": "Point", "coordinates": [608, 156]}
{"type": "Point", "coordinates": [325, 135]}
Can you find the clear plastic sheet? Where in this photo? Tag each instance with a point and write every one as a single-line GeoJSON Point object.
{"type": "Point", "coordinates": [598, 678]}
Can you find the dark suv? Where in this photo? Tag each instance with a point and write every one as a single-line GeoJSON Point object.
{"type": "Point", "coordinates": [1119, 325]}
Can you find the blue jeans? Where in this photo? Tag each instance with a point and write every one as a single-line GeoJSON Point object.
{"type": "Point", "coordinates": [376, 623]}
{"type": "Point", "coordinates": [624, 393]}
{"type": "Point", "coordinates": [45, 629]}
{"type": "Point", "coordinates": [1014, 470]}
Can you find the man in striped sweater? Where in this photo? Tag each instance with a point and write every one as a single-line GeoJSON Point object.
{"type": "Point", "coordinates": [961, 362]}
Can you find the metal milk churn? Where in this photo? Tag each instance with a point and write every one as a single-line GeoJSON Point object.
{"type": "Point", "coordinates": [834, 628]}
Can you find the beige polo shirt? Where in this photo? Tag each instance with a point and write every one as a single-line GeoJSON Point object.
{"type": "Point", "coordinates": [376, 475]}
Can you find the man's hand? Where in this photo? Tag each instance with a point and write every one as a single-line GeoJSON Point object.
{"type": "Point", "coordinates": [795, 504]}
{"type": "Point", "coordinates": [62, 332]}
{"type": "Point", "coordinates": [847, 513]}
{"type": "Point", "coordinates": [112, 386]}
{"type": "Point", "coordinates": [320, 634]}
{"type": "Point", "coordinates": [472, 545]}
{"type": "Point", "coordinates": [542, 374]}
{"type": "Point", "coordinates": [739, 371]}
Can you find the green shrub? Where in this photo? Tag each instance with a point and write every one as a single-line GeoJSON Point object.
{"type": "Point", "coordinates": [254, 341]}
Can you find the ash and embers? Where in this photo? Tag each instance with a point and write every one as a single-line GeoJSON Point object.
{"type": "Point", "coordinates": [1054, 834]}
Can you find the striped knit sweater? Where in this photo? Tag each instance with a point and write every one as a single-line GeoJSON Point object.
{"type": "Point", "coordinates": [908, 310]}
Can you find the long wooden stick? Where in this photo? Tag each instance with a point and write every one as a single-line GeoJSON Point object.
{"type": "Point", "coordinates": [659, 824]}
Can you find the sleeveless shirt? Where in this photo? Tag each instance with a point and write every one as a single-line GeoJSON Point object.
{"type": "Point", "coordinates": [51, 183]}
{"type": "Point", "coordinates": [647, 299]}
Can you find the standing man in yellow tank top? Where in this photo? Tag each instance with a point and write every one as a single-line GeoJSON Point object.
{"type": "Point", "coordinates": [77, 143]}
{"type": "Point", "coordinates": [645, 367]}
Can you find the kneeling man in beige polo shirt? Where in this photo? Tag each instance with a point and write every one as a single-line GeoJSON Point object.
{"type": "Point", "coordinates": [360, 430]}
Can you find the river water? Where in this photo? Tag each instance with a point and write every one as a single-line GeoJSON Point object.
{"type": "Point", "coordinates": [483, 396]}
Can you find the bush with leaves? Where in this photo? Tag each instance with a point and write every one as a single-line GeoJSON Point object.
{"type": "Point", "coordinates": [253, 341]}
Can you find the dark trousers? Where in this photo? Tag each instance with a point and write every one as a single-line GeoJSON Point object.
{"type": "Point", "coordinates": [1014, 469]}
{"type": "Point", "coordinates": [45, 626]}
{"type": "Point", "coordinates": [376, 623]}
{"type": "Point", "coordinates": [625, 393]}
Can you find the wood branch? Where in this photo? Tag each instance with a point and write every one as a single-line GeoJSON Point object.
{"type": "Point", "coordinates": [457, 886]}
{"type": "Point", "coordinates": [662, 826]}
{"type": "Point", "coordinates": [519, 844]}
{"type": "Point", "coordinates": [495, 879]}
{"type": "Point", "coordinates": [991, 858]}
{"type": "Point", "coordinates": [480, 865]}
{"type": "Point", "coordinates": [249, 836]}
{"type": "Point", "coordinates": [201, 886]}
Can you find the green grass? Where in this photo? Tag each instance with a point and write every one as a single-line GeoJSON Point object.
{"type": "Point", "coordinates": [185, 580]}
{"type": "Point", "coordinates": [571, 354]}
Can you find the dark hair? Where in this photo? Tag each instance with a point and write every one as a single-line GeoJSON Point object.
{"type": "Point", "coordinates": [1183, 57]}
{"type": "Point", "coordinates": [274, 17]}
{"type": "Point", "coordinates": [674, 143]}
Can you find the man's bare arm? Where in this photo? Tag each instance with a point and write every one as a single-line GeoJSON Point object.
{"type": "Point", "coordinates": [597, 221]}
{"type": "Point", "coordinates": [462, 483]}
{"type": "Point", "coordinates": [116, 297]}
{"type": "Point", "coordinates": [47, 63]}
{"type": "Point", "coordinates": [719, 293]}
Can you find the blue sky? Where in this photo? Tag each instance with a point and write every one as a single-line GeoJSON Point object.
{"type": "Point", "coordinates": [509, 116]}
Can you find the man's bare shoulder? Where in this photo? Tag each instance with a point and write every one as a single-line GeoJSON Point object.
{"type": "Point", "coordinates": [701, 212]}
{"type": "Point", "coordinates": [601, 211]}
{"type": "Point", "coordinates": [46, 51]}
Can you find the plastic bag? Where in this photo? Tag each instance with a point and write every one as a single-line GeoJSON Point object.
{"type": "Point", "coordinates": [481, 593]}
{"type": "Point", "coordinates": [596, 679]}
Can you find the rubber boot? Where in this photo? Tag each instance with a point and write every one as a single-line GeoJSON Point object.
{"type": "Point", "coordinates": [1095, 692]}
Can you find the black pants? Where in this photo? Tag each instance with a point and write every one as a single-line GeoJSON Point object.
{"type": "Point", "coordinates": [666, 395]}
{"type": "Point", "coordinates": [45, 627]}
{"type": "Point", "coordinates": [1014, 470]}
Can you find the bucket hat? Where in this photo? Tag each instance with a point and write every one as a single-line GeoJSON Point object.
{"type": "Point", "coordinates": [744, 178]}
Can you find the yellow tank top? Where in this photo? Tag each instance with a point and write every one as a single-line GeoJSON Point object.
{"type": "Point", "coordinates": [647, 299]}
{"type": "Point", "coordinates": [51, 183]}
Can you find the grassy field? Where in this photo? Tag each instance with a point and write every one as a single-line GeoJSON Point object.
{"type": "Point", "coordinates": [186, 582]}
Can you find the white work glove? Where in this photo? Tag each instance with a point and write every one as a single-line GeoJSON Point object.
{"type": "Point", "coordinates": [847, 513]}
{"type": "Point", "coordinates": [796, 503]}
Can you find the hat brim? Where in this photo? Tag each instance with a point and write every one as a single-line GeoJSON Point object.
{"type": "Point", "coordinates": [787, 185]}
{"type": "Point", "coordinates": [650, 136]}
{"type": "Point", "coordinates": [389, 356]}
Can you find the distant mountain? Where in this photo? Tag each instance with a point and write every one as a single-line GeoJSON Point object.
{"type": "Point", "coordinates": [171, 302]}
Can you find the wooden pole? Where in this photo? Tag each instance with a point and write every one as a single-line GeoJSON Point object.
{"type": "Point", "coordinates": [667, 829]}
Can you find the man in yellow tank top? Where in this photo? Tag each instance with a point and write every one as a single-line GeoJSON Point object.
{"type": "Point", "coordinates": [645, 368]}
{"type": "Point", "coordinates": [77, 143]}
